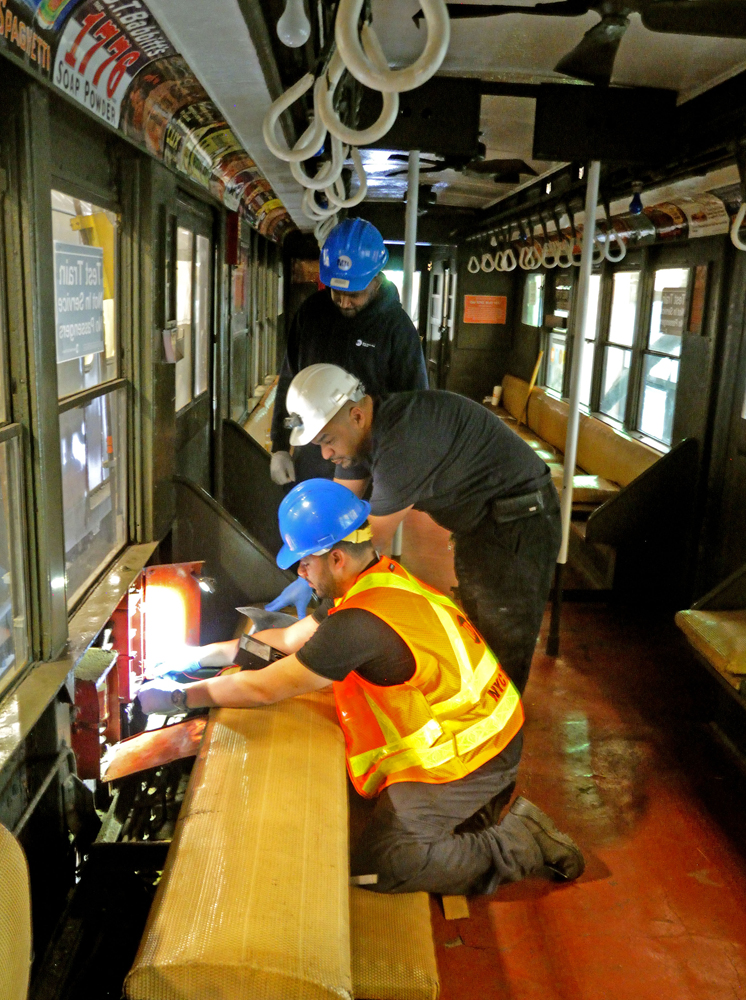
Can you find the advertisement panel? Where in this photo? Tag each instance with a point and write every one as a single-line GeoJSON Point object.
{"type": "Point", "coordinates": [104, 45]}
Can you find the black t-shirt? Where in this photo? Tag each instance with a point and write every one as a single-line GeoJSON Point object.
{"type": "Point", "coordinates": [448, 456]}
{"type": "Point", "coordinates": [379, 345]}
{"type": "Point", "coordinates": [355, 639]}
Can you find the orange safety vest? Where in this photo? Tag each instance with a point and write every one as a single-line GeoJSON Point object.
{"type": "Point", "coordinates": [456, 712]}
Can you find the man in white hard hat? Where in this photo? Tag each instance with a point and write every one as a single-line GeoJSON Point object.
{"type": "Point", "coordinates": [357, 322]}
{"type": "Point", "coordinates": [447, 455]}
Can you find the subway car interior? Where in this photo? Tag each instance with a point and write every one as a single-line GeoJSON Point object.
{"type": "Point", "coordinates": [561, 189]}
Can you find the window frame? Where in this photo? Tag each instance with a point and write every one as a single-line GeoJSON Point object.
{"type": "Point", "coordinates": [123, 380]}
{"type": "Point", "coordinates": [647, 260]}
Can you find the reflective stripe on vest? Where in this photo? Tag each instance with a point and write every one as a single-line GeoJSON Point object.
{"type": "Point", "coordinates": [473, 682]}
{"type": "Point", "coordinates": [417, 750]}
{"type": "Point", "coordinates": [470, 739]}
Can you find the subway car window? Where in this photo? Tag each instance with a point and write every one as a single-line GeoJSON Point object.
{"type": "Point", "coordinates": [93, 445]}
{"type": "Point", "coordinates": [533, 300]}
{"type": "Point", "coordinates": [85, 254]}
{"type": "Point", "coordinates": [184, 312]}
{"type": "Point", "coordinates": [617, 359]}
{"type": "Point", "coordinates": [589, 345]}
{"type": "Point", "coordinates": [660, 373]}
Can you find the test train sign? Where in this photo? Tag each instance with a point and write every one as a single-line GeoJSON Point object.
{"type": "Point", "coordinates": [78, 300]}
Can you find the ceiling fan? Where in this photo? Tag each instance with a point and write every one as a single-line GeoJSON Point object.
{"type": "Point", "coordinates": [593, 58]}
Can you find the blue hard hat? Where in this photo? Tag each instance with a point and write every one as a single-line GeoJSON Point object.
{"type": "Point", "coordinates": [352, 256]}
{"type": "Point", "coordinates": [315, 515]}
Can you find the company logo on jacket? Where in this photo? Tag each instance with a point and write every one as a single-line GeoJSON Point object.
{"type": "Point", "coordinates": [363, 343]}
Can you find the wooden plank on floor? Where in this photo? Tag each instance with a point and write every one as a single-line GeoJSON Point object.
{"type": "Point", "coordinates": [455, 907]}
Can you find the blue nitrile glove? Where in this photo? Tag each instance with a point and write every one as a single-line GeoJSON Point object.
{"type": "Point", "coordinates": [181, 660]}
{"type": "Point", "coordinates": [299, 593]}
{"type": "Point", "coordinates": [162, 697]}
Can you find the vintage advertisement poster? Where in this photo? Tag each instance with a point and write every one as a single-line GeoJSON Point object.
{"type": "Point", "coordinates": [27, 30]}
{"type": "Point", "coordinates": [673, 311]}
{"type": "Point", "coordinates": [111, 57]}
{"type": "Point", "coordinates": [104, 45]}
{"type": "Point", "coordinates": [78, 300]}
{"type": "Point", "coordinates": [706, 214]}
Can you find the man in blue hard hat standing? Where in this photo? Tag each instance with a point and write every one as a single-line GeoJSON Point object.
{"type": "Point", "coordinates": [356, 322]}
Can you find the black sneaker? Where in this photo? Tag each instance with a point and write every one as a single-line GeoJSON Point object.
{"type": "Point", "coordinates": [560, 853]}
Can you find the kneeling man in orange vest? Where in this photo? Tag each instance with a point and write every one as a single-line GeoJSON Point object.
{"type": "Point", "coordinates": [432, 724]}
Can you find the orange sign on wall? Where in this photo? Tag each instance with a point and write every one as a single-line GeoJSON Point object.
{"type": "Point", "coordinates": [485, 308]}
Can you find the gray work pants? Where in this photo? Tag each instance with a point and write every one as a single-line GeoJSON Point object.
{"type": "Point", "coordinates": [411, 842]}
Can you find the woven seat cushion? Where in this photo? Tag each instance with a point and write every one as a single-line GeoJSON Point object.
{"type": "Point", "coordinates": [393, 956]}
{"type": "Point", "coordinates": [720, 636]}
{"type": "Point", "coordinates": [254, 899]}
{"type": "Point", "coordinates": [15, 919]}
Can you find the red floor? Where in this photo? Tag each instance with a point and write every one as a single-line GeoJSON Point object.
{"type": "Point", "coordinates": [614, 753]}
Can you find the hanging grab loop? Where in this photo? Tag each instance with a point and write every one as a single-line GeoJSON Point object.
{"type": "Point", "coordinates": [324, 101]}
{"type": "Point", "coordinates": [734, 237]}
{"type": "Point", "coordinates": [312, 209]}
{"type": "Point", "coordinates": [336, 193]}
{"type": "Point", "coordinates": [549, 249]}
{"type": "Point", "coordinates": [612, 236]}
{"type": "Point", "coordinates": [473, 265]}
{"type": "Point", "coordinates": [386, 80]}
{"type": "Point", "coordinates": [509, 261]}
{"type": "Point", "coordinates": [323, 228]}
{"type": "Point", "coordinates": [311, 140]}
{"type": "Point", "coordinates": [328, 174]}
{"type": "Point", "coordinates": [488, 263]}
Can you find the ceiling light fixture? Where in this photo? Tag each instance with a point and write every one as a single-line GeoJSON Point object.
{"type": "Point", "coordinates": [294, 28]}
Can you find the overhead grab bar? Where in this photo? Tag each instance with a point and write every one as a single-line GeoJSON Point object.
{"type": "Point", "coordinates": [324, 101]}
{"type": "Point", "coordinates": [391, 81]}
{"type": "Point", "coordinates": [311, 140]}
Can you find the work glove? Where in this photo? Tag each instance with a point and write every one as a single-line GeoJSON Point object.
{"type": "Point", "coordinates": [281, 468]}
{"type": "Point", "coordinates": [299, 593]}
{"type": "Point", "coordinates": [157, 697]}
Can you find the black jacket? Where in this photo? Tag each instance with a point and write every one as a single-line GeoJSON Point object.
{"type": "Point", "coordinates": [379, 345]}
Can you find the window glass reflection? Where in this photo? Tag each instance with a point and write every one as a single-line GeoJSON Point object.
{"type": "Point", "coordinates": [13, 620]}
{"type": "Point", "coordinates": [624, 308]}
{"type": "Point", "coordinates": [93, 452]}
{"type": "Point", "coordinates": [615, 382]}
{"type": "Point", "coordinates": [202, 316]}
{"type": "Point", "coordinates": [660, 377]}
{"type": "Point", "coordinates": [85, 266]}
{"type": "Point", "coordinates": [668, 312]}
{"type": "Point", "coordinates": [533, 300]}
{"type": "Point", "coordinates": [184, 266]}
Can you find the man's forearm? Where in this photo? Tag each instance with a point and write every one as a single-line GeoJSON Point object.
{"type": "Point", "coordinates": [230, 691]}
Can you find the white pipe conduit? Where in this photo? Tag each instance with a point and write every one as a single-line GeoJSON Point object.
{"type": "Point", "coordinates": [391, 81]}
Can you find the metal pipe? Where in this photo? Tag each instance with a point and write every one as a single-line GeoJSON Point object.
{"type": "Point", "coordinates": [410, 228]}
{"type": "Point", "coordinates": [576, 372]}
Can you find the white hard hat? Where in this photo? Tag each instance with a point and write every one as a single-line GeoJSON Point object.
{"type": "Point", "coordinates": [315, 395]}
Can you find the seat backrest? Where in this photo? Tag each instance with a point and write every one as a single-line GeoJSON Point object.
{"type": "Point", "coordinates": [604, 451]}
{"type": "Point", "coordinates": [553, 422]}
{"type": "Point", "coordinates": [514, 395]}
{"type": "Point", "coordinates": [15, 919]}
